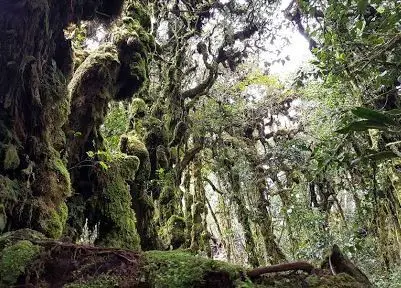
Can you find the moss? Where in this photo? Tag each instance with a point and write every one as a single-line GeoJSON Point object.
{"type": "Point", "coordinates": [54, 94]}
{"type": "Point", "coordinates": [103, 281]}
{"type": "Point", "coordinates": [341, 280]}
{"type": "Point", "coordinates": [131, 145]}
{"type": "Point", "coordinates": [180, 131]}
{"type": "Point", "coordinates": [117, 226]}
{"type": "Point", "coordinates": [63, 176]}
{"type": "Point", "coordinates": [133, 44]}
{"type": "Point", "coordinates": [14, 260]}
{"type": "Point", "coordinates": [3, 217]}
{"type": "Point", "coordinates": [54, 223]}
{"type": "Point", "coordinates": [138, 11]}
{"type": "Point", "coordinates": [168, 204]}
{"type": "Point", "coordinates": [104, 63]}
{"type": "Point", "coordinates": [9, 189]}
{"type": "Point", "coordinates": [173, 233]}
{"type": "Point", "coordinates": [197, 227]}
{"type": "Point", "coordinates": [11, 159]}
{"type": "Point", "coordinates": [9, 238]}
{"type": "Point", "coordinates": [139, 108]}
{"type": "Point", "coordinates": [10, 193]}
{"type": "Point", "coordinates": [178, 269]}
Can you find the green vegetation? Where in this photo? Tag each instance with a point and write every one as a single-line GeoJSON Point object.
{"type": "Point", "coordinates": [180, 269]}
{"type": "Point", "coordinates": [14, 260]}
{"type": "Point", "coordinates": [160, 125]}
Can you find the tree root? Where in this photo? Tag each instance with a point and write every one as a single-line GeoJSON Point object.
{"type": "Point", "coordinates": [301, 265]}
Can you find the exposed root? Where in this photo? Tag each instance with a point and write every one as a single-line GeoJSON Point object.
{"type": "Point", "coordinates": [294, 266]}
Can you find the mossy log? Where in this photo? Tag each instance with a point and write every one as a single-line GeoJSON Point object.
{"type": "Point", "coordinates": [28, 259]}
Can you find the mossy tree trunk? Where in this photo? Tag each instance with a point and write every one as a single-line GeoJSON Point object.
{"type": "Point", "coordinates": [264, 220]}
{"type": "Point", "coordinates": [243, 218]}
{"type": "Point", "coordinates": [115, 71]}
{"type": "Point", "coordinates": [199, 235]}
{"type": "Point", "coordinates": [36, 62]}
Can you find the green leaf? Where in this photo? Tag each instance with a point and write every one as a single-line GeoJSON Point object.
{"type": "Point", "coordinates": [373, 115]}
{"type": "Point", "coordinates": [90, 154]}
{"type": "Point", "coordinates": [362, 125]}
{"type": "Point", "coordinates": [360, 24]}
{"type": "Point", "coordinates": [103, 165]}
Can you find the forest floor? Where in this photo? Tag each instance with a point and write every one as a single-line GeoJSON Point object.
{"type": "Point", "coordinates": [27, 259]}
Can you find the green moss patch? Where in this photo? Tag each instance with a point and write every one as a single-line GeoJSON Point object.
{"type": "Point", "coordinates": [14, 260]}
{"type": "Point", "coordinates": [117, 222]}
{"type": "Point", "coordinates": [173, 233]}
{"type": "Point", "coordinates": [55, 220]}
{"type": "Point", "coordinates": [179, 270]}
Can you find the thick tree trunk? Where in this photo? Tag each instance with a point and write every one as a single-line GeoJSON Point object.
{"type": "Point", "coordinates": [36, 62]}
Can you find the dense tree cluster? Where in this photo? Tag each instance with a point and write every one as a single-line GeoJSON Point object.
{"type": "Point", "coordinates": [150, 125]}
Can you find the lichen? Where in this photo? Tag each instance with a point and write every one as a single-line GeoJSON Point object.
{"type": "Point", "coordinates": [14, 260]}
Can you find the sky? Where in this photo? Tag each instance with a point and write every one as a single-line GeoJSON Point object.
{"type": "Point", "coordinates": [297, 49]}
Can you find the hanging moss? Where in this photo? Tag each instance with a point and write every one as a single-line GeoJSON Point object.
{"type": "Point", "coordinates": [14, 260]}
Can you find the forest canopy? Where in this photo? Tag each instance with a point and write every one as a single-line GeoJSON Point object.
{"type": "Point", "coordinates": [151, 144]}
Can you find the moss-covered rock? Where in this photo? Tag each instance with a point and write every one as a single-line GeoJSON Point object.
{"type": "Point", "coordinates": [14, 260]}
